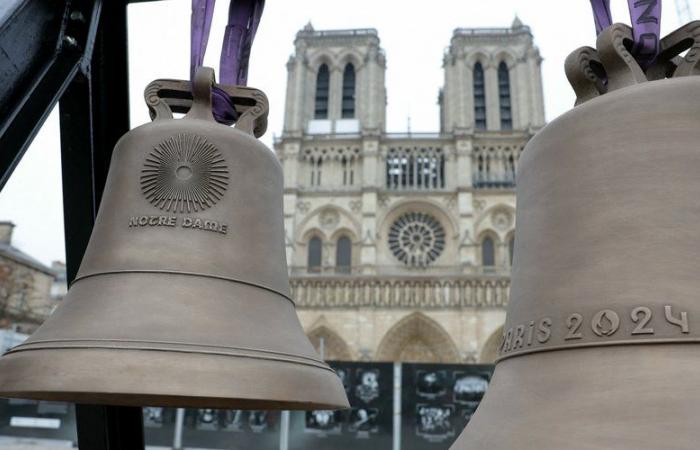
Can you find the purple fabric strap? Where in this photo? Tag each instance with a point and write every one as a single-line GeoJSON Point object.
{"type": "Point", "coordinates": [243, 20]}
{"type": "Point", "coordinates": [202, 15]}
{"type": "Point", "coordinates": [601, 14]}
{"type": "Point", "coordinates": [646, 23]}
{"type": "Point", "coordinates": [646, 26]}
{"type": "Point", "coordinates": [244, 17]}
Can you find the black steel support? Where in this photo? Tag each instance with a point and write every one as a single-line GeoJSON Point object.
{"type": "Point", "coordinates": [109, 427]}
{"type": "Point", "coordinates": [94, 113]}
{"type": "Point", "coordinates": [42, 44]}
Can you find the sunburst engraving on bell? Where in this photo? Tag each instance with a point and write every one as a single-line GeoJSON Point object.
{"type": "Point", "coordinates": [184, 173]}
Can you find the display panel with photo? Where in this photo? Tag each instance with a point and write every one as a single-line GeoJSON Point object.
{"type": "Point", "coordinates": [431, 383]}
{"type": "Point", "coordinates": [368, 423]}
{"type": "Point", "coordinates": [231, 429]}
{"type": "Point", "coordinates": [435, 423]}
{"type": "Point", "coordinates": [437, 401]}
{"type": "Point", "coordinates": [323, 422]}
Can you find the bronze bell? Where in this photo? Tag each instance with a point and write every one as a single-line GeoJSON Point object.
{"type": "Point", "coordinates": [600, 349]}
{"type": "Point", "coordinates": [182, 297]}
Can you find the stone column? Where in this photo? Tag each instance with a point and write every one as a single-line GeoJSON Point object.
{"type": "Point", "coordinates": [493, 117]}
{"type": "Point", "coordinates": [517, 99]}
{"type": "Point", "coordinates": [335, 93]}
{"type": "Point", "coordinates": [371, 181]}
{"type": "Point", "coordinates": [465, 199]}
{"type": "Point", "coordinates": [466, 94]}
{"type": "Point", "coordinates": [289, 157]}
{"type": "Point", "coordinates": [296, 93]}
{"type": "Point", "coordinates": [537, 96]}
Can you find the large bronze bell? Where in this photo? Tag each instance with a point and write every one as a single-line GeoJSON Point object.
{"type": "Point", "coordinates": [182, 297]}
{"type": "Point", "coordinates": [600, 349]}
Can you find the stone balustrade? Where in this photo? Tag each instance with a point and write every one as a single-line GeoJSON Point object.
{"type": "Point", "coordinates": [388, 292]}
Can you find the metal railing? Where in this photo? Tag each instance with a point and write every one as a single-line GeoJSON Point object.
{"type": "Point", "coordinates": [490, 31]}
{"type": "Point", "coordinates": [348, 32]}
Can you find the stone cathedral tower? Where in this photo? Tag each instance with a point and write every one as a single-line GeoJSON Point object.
{"type": "Point", "coordinates": [399, 244]}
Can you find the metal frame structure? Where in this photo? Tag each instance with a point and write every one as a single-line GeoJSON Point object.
{"type": "Point", "coordinates": [74, 53]}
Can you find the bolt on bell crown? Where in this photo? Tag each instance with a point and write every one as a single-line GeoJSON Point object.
{"type": "Point", "coordinates": [600, 348]}
{"type": "Point", "coordinates": [182, 297]}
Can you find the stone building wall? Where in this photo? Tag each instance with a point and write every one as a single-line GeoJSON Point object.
{"type": "Point", "coordinates": [25, 284]}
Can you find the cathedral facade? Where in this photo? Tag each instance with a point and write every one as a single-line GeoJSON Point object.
{"type": "Point", "coordinates": [399, 244]}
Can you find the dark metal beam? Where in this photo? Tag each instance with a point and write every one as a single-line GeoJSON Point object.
{"type": "Point", "coordinates": [41, 46]}
{"type": "Point", "coordinates": [112, 428]}
{"type": "Point", "coordinates": [94, 114]}
{"type": "Point", "coordinates": [30, 72]}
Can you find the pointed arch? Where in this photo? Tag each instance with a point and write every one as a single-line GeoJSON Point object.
{"type": "Point", "coordinates": [323, 80]}
{"type": "Point", "coordinates": [504, 98]}
{"type": "Point", "coordinates": [347, 221]}
{"type": "Point", "coordinates": [485, 222]}
{"type": "Point", "coordinates": [334, 347]}
{"type": "Point", "coordinates": [510, 239]}
{"type": "Point", "coordinates": [348, 101]}
{"type": "Point", "coordinates": [352, 56]}
{"type": "Point", "coordinates": [343, 254]}
{"type": "Point", "coordinates": [424, 204]}
{"type": "Point", "coordinates": [489, 352]}
{"type": "Point", "coordinates": [488, 251]}
{"type": "Point", "coordinates": [314, 254]}
{"type": "Point", "coordinates": [479, 88]}
{"type": "Point", "coordinates": [417, 338]}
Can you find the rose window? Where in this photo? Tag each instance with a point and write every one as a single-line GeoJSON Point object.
{"type": "Point", "coordinates": [416, 239]}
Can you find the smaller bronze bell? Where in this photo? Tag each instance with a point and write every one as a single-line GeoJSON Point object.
{"type": "Point", "coordinates": [182, 297]}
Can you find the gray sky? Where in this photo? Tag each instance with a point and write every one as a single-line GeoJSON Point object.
{"type": "Point", "coordinates": [413, 33]}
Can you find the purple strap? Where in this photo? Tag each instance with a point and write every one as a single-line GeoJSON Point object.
{"type": "Point", "coordinates": [646, 26]}
{"type": "Point", "coordinates": [243, 20]}
{"type": "Point", "coordinates": [202, 15]}
{"type": "Point", "coordinates": [601, 14]}
{"type": "Point", "coordinates": [244, 17]}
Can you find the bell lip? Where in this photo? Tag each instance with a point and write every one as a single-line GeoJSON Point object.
{"type": "Point", "coordinates": [590, 397]}
{"type": "Point", "coordinates": [169, 379]}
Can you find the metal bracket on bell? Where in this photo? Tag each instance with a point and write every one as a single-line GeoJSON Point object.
{"type": "Point", "coordinates": [613, 45]}
{"type": "Point", "coordinates": [167, 96]}
{"type": "Point", "coordinates": [585, 74]}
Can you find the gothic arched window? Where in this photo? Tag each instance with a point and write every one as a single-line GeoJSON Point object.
{"type": "Point", "coordinates": [479, 97]}
{"type": "Point", "coordinates": [511, 248]}
{"type": "Point", "coordinates": [316, 164]}
{"type": "Point", "coordinates": [488, 253]}
{"type": "Point", "coordinates": [322, 86]}
{"type": "Point", "coordinates": [504, 97]}
{"type": "Point", "coordinates": [419, 168]}
{"type": "Point", "coordinates": [348, 171]}
{"type": "Point", "coordinates": [343, 254]}
{"type": "Point", "coordinates": [348, 92]}
{"type": "Point", "coordinates": [314, 260]}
